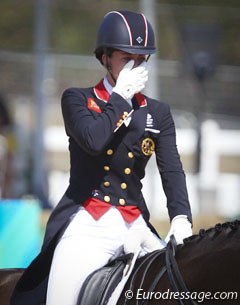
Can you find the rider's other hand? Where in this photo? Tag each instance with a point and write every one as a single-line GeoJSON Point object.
{"type": "Point", "coordinates": [181, 228]}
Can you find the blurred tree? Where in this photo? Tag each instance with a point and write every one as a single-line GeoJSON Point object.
{"type": "Point", "coordinates": [16, 25]}
{"type": "Point", "coordinates": [74, 23]}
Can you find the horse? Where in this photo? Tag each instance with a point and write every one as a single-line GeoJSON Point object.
{"type": "Point", "coordinates": [208, 266]}
{"type": "Point", "coordinates": [203, 270]}
{"type": "Point", "coordinates": [8, 280]}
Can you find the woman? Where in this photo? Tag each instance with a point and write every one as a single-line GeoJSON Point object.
{"type": "Point", "coordinates": [113, 130]}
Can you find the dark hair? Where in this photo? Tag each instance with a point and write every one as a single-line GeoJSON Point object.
{"type": "Point", "coordinates": [108, 51]}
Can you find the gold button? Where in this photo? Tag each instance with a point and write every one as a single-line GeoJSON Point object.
{"type": "Point", "coordinates": [125, 113]}
{"type": "Point", "coordinates": [123, 186]}
{"type": "Point", "coordinates": [109, 152]}
{"type": "Point", "coordinates": [119, 123]}
{"type": "Point", "coordinates": [106, 198]}
{"type": "Point", "coordinates": [106, 168]}
{"type": "Point", "coordinates": [130, 155]}
{"type": "Point", "coordinates": [106, 183]}
{"type": "Point", "coordinates": [127, 171]}
{"type": "Point", "coordinates": [122, 201]}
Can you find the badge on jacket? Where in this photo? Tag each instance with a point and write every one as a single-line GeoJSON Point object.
{"type": "Point", "coordinates": [148, 146]}
{"type": "Point", "coordinates": [93, 106]}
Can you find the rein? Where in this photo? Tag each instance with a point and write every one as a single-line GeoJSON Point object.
{"type": "Point", "coordinates": [171, 267]}
{"type": "Point", "coordinates": [174, 275]}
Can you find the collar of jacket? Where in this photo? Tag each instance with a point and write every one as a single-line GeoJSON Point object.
{"type": "Point", "coordinates": [102, 94]}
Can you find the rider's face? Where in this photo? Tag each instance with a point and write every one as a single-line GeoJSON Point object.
{"type": "Point", "coordinates": [118, 60]}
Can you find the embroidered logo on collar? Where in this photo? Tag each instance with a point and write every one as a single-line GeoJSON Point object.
{"type": "Point", "coordinates": [93, 106]}
{"type": "Point", "coordinates": [149, 122]}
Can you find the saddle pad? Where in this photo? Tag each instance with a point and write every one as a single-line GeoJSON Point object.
{"type": "Point", "coordinates": [99, 285]}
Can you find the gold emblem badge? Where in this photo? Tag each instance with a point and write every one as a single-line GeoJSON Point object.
{"type": "Point", "coordinates": [148, 146]}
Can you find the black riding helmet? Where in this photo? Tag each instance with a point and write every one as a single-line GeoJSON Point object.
{"type": "Point", "coordinates": [126, 31]}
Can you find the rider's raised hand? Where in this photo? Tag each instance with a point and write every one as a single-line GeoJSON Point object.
{"type": "Point", "coordinates": [131, 80]}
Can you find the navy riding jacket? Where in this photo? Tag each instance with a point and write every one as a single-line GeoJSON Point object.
{"type": "Point", "coordinates": [110, 143]}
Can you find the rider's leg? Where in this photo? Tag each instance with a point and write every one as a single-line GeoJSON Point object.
{"type": "Point", "coordinates": [85, 246]}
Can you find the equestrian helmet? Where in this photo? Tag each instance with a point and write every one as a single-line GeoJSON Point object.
{"type": "Point", "coordinates": [126, 31]}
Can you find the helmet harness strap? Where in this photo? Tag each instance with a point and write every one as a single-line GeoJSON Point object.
{"type": "Point", "coordinates": [148, 57]}
{"type": "Point", "coordinates": [108, 66]}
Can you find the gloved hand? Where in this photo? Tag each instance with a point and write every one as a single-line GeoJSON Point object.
{"type": "Point", "coordinates": [131, 81]}
{"type": "Point", "coordinates": [142, 238]}
{"type": "Point", "coordinates": [181, 228]}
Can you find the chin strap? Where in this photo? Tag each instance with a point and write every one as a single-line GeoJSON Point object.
{"type": "Point", "coordinates": [108, 67]}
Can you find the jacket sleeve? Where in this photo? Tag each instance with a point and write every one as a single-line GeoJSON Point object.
{"type": "Point", "coordinates": [170, 168]}
{"type": "Point", "coordinates": [91, 131]}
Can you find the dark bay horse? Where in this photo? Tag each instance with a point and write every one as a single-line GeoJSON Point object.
{"type": "Point", "coordinates": [209, 265]}
{"type": "Point", "coordinates": [8, 280]}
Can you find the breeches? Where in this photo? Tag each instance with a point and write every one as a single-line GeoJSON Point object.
{"type": "Point", "coordinates": [86, 245]}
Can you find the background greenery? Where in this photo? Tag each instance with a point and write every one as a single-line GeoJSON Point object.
{"type": "Point", "coordinates": [73, 24]}
{"type": "Point", "coordinates": [72, 31]}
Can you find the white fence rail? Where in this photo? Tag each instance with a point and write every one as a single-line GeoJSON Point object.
{"type": "Point", "coordinates": [210, 192]}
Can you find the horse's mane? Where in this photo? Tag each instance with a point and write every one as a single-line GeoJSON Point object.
{"type": "Point", "coordinates": [227, 228]}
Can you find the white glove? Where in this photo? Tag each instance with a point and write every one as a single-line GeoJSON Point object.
{"type": "Point", "coordinates": [142, 238]}
{"type": "Point", "coordinates": [131, 81]}
{"type": "Point", "coordinates": [181, 228]}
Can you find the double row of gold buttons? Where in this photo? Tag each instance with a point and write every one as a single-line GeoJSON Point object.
{"type": "Point", "coordinates": [127, 171]}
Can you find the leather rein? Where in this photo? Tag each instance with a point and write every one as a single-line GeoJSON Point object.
{"type": "Point", "coordinates": [174, 275]}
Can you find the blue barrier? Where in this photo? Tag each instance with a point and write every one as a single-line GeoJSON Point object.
{"type": "Point", "coordinates": [20, 236]}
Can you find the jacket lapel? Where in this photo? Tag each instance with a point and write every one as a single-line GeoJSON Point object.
{"type": "Point", "coordinates": [138, 122]}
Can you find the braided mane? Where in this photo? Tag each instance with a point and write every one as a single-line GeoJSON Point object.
{"type": "Point", "coordinates": [227, 227]}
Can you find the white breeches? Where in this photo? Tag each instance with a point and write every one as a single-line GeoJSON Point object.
{"type": "Point", "coordinates": [86, 245]}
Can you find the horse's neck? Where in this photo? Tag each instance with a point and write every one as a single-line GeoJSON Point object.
{"type": "Point", "coordinates": [211, 263]}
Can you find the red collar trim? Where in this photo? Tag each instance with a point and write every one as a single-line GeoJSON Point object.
{"type": "Point", "coordinates": [142, 102]}
{"type": "Point", "coordinates": [102, 94]}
